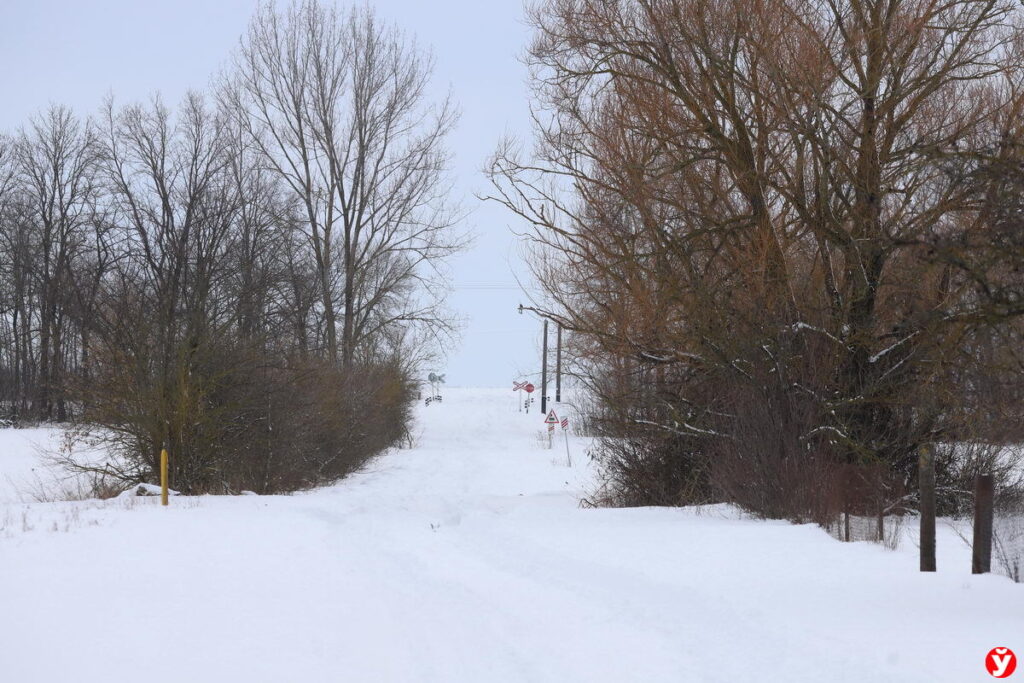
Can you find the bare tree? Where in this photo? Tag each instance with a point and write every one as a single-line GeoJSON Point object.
{"type": "Point", "coordinates": [766, 206]}
{"type": "Point", "coordinates": [56, 173]}
{"type": "Point", "coordinates": [337, 104]}
{"type": "Point", "coordinates": [172, 274]}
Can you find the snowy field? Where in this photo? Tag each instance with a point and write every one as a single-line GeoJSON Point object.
{"type": "Point", "coordinates": [468, 558]}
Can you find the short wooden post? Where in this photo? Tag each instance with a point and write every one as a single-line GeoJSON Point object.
{"type": "Point", "coordinates": [847, 483]}
{"type": "Point", "coordinates": [984, 493]}
{"type": "Point", "coordinates": [163, 476]}
{"type": "Point", "coordinates": [926, 482]}
{"type": "Point", "coordinates": [879, 482]}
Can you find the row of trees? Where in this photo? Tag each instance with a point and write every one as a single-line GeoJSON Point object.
{"type": "Point", "coordinates": [785, 234]}
{"type": "Point", "coordinates": [249, 278]}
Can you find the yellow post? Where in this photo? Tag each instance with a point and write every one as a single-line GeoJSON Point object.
{"type": "Point", "coordinates": [163, 476]}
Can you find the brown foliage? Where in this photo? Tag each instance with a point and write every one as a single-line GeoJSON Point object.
{"type": "Point", "coordinates": [777, 206]}
{"type": "Point", "coordinates": [236, 419]}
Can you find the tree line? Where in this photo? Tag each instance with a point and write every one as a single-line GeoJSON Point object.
{"type": "Point", "coordinates": [248, 278]}
{"type": "Point", "coordinates": [786, 238]}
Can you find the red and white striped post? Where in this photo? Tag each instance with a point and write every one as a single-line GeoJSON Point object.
{"type": "Point", "coordinates": [565, 430]}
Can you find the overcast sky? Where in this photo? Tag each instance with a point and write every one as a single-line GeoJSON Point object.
{"type": "Point", "coordinates": [75, 51]}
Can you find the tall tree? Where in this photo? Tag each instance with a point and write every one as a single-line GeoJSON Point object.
{"type": "Point", "coordinates": [337, 104]}
{"type": "Point", "coordinates": [56, 167]}
{"type": "Point", "coordinates": [758, 201]}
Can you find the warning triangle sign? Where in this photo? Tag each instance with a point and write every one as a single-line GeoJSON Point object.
{"type": "Point", "coordinates": [551, 419]}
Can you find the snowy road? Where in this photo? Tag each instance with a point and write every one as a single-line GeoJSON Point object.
{"type": "Point", "coordinates": [468, 558]}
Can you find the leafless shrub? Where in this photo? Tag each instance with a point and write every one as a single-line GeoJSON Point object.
{"type": "Point", "coordinates": [1008, 521]}
{"type": "Point", "coordinates": [650, 470]}
{"type": "Point", "coordinates": [241, 425]}
{"type": "Point", "coordinates": [1008, 541]}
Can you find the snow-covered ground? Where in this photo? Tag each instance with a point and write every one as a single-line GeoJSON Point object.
{"type": "Point", "coordinates": [26, 471]}
{"type": "Point", "coordinates": [469, 559]}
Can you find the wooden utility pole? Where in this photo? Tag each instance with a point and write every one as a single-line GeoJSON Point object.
{"type": "Point", "coordinates": [926, 481]}
{"type": "Point", "coordinates": [558, 365]}
{"type": "Point", "coordinates": [544, 372]}
{"type": "Point", "coordinates": [981, 555]}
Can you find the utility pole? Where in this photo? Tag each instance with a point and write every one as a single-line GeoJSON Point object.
{"type": "Point", "coordinates": [558, 366]}
{"type": "Point", "coordinates": [544, 372]}
{"type": "Point", "coordinates": [544, 365]}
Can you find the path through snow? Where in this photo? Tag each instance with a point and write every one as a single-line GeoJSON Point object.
{"type": "Point", "coordinates": [469, 559]}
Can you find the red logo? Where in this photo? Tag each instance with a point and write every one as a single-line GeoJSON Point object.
{"type": "Point", "coordinates": [1001, 662]}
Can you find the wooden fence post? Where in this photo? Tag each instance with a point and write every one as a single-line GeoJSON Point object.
{"type": "Point", "coordinates": [846, 482]}
{"type": "Point", "coordinates": [981, 555]}
{"type": "Point", "coordinates": [163, 476]}
{"type": "Point", "coordinates": [879, 483]}
{"type": "Point", "coordinates": [926, 482]}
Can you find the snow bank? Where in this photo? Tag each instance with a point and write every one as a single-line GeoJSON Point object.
{"type": "Point", "coordinates": [145, 490]}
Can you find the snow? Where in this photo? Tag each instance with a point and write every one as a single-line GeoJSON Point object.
{"type": "Point", "coordinates": [811, 328]}
{"type": "Point", "coordinates": [25, 472]}
{"type": "Point", "coordinates": [149, 490]}
{"type": "Point", "coordinates": [469, 558]}
{"type": "Point", "coordinates": [875, 358]}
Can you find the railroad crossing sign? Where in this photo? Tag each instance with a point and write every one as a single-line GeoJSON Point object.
{"type": "Point", "coordinates": [565, 423]}
{"type": "Point", "coordinates": [436, 381]}
{"type": "Point", "coordinates": [516, 386]}
{"type": "Point", "coordinates": [551, 419]}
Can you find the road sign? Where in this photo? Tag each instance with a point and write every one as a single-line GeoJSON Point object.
{"type": "Point", "coordinates": [551, 419]}
{"type": "Point", "coordinates": [529, 388]}
{"type": "Point", "coordinates": [565, 423]}
{"type": "Point", "coordinates": [516, 386]}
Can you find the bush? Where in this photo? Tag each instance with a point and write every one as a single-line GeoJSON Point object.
{"type": "Point", "coordinates": [235, 418]}
{"type": "Point", "coordinates": [650, 470]}
{"type": "Point", "coordinates": [1008, 533]}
